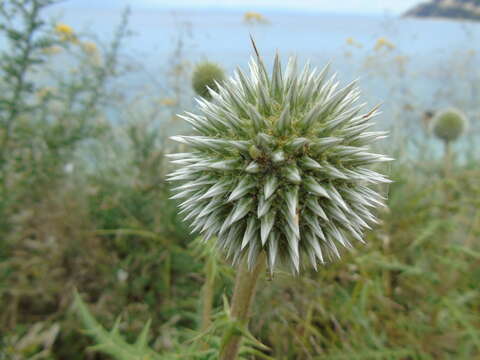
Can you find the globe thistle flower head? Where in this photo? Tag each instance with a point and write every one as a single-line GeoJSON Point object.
{"type": "Point", "coordinates": [206, 76]}
{"type": "Point", "coordinates": [449, 125]}
{"type": "Point", "coordinates": [280, 163]}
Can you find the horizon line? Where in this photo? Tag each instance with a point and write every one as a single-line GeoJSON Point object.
{"type": "Point", "coordinates": [238, 8]}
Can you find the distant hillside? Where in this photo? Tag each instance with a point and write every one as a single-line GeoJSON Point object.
{"type": "Point", "coordinates": [453, 9]}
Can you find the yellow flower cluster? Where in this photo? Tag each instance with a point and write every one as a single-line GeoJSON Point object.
{"type": "Point", "coordinates": [64, 29]}
{"type": "Point", "coordinates": [89, 47]}
{"type": "Point", "coordinates": [52, 50]}
{"type": "Point", "coordinates": [352, 42]}
{"type": "Point", "coordinates": [383, 43]}
{"type": "Point", "coordinates": [252, 17]}
{"type": "Point", "coordinates": [168, 102]}
{"type": "Point", "coordinates": [66, 32]}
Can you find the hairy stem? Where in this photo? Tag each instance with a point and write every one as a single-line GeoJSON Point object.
{"type": "Point", "coordinates": [243, 294]}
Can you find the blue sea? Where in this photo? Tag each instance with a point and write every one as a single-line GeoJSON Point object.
{"type": "Point", "coordinates": [408, 65]}
{"type": "Point", "coordinates": [421, 58]}
{"type": "Point", "coordinates": [224, 35]}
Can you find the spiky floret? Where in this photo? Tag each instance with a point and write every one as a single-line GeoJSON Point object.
{"type": "Point", "coordinates": [206, 75]}
{"type": "Point", "coordinates": [280, 163]}
{"type": "Point", "coordinates": [448, 125]}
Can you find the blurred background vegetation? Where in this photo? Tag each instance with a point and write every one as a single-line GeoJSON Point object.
{"type": "Point", "coordinates": [84, 205]}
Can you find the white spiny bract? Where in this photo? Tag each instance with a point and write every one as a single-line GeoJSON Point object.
{"type": "Point", "coordinates": [280, 163]}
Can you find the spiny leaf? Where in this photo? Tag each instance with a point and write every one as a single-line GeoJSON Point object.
{"type": "Point", "coordinates": [266, 226]}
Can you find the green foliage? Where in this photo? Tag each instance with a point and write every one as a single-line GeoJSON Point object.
{"type": "Point", "coordinates": [85, 205]}
{"type": "Point", "coordinates": [206, 75]}
{"type": "Point", "coordinates": [44, 121]}
{"type": "Point", "coordinates": [112, 343]}
{"type": "Point", "coordinates": [388, 303]}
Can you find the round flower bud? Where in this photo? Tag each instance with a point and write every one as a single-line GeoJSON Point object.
{"type": "Point", "coordinates": [449, 125]}
{"type": "Point", "coordinates": [206, 75]}
{"type": "Point", "coordinates": [280, 163]}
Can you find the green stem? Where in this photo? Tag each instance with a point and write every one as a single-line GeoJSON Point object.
{"type": "Point", "coordinates": [243, 294]}
{"type": "Point", "coordinates": [207, 294]}
{"type": "Point", "coordinates": [447, 159]}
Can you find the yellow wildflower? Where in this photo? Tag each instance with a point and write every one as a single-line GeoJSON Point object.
{"type": "Point", "coordinates": [89, 47]}
{"type": "Point", "coordinates": [352, 42]}
{"type": "Point", "coordinates": [254, 17]}
{"type": "Point", "coordinates": [66, 33]}
{"type": "Point", "coordinates": [64, 29]}
{"type": "Point", "coordinates": [384, 43]}
{"type": "Point", "coordinates": [52, 50]}
{"type": "Point", "coordinates": [168, 102]}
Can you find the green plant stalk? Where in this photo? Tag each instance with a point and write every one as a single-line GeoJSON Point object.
{"type": "Point", "coordinates": [207, 294]}
{"type": "Point", "coordinates": [243, 294]}
{"type": "Point", "coordinates": [168, 277]}
{"type": "Point", "coordinates": [447, 163]}
{"type": "Point", "coordinates": [447, 159]}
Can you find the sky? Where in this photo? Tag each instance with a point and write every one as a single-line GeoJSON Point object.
{"type": "Point", "coordinates": [340, 6]}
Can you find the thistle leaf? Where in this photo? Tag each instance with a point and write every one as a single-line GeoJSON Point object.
{"type": "Point", "coordinates": [142, 339]}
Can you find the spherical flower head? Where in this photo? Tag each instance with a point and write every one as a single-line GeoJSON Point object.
{"type": "Point", "coordinates": [206, 75]}
{"type": "Point", "coordinates": [280, 164]}
{"type": "Point", "coordinates": [449, 125]}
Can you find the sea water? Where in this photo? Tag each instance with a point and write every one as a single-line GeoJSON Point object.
{"type": "Point", "coordinates": [409, 65]}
